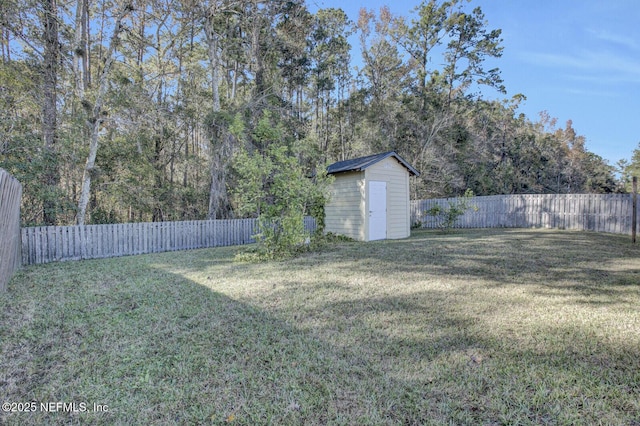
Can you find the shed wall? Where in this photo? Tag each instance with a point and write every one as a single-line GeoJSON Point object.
{"type": "Point", "coordinates": [344, 213]}
{"type": "Point", "coordinates": [398, 208]}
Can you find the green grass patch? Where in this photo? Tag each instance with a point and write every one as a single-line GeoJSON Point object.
{"type": "Point", "coordinates": [472, 327]}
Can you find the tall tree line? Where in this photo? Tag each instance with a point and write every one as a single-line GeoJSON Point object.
{"type": "Point", "coordinates": [135, 110]}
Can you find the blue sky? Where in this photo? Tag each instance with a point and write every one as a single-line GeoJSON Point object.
{"type": "Point", "coordinates": [577, 60]}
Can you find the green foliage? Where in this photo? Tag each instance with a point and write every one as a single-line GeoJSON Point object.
{"type": "Point", "coordinates": [269, 76]}
{"type": "Point", "coordinates": [273, 185]}
{"type": "Point", "coordinates": [448, 216]}
{"type": "Point", "coordinates": [630, 169]}
{"type": "Point", "coordinates": [267, 132]}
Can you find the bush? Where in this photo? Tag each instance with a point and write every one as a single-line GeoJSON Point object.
{"type": "Point", "coordinates": [447, 217]}
{"type": "Point", "coordinates": [277, 188]}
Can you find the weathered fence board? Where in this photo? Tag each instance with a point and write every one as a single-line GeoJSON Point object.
{"type": "Point", "coordinates": [10, 253]}
{"type": "Point", "coordinates": [610, 213]}
{"type": "Point", "coordinates": [57, 243]}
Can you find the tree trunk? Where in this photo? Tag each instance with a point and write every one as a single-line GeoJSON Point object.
{"type": "Point", "coordinates": [51, 175]}
{"type": "Point", "coordinates": [97, 118]}
{"type": "Point", "coordinates": [218, 198]}
{"type": "Point", "coordinates": [213, 46]}
{"type": "Point", "coordinates": [80, 49]}
{"type": "Point", "coordinates": [256, 52]}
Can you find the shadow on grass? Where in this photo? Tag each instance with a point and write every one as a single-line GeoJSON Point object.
{"type": "Point", "coordinates": [573, 264]}
{"type": "Point", "coordinates": [159, 348]}
{"type": "Point", "coordinates": [156, 348]}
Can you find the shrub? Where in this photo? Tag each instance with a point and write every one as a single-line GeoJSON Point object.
{"type": "Point", "coordinates": [448, 216]}
{"type": "Point", "coordinates": [276, 187]}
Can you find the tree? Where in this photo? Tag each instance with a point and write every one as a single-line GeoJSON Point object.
{"type": "Point", "coordinates": [293, 35]}
{"type": "Point", "coordinates": [599, 174]}
{"type": "Point", "coordinates": [631, 169]}
{"type": "Point", "coordinates": [49, 108]}
{"type": "Point", "coordinates": [469, 46]}
{"type": "Point", "coordinates": [330, 55]}
{"type": "Point", "coordinates": [431, 124]}
{"type": "Point", "coordinates": [385, 75]}
{"type": "Point", "coordinates": [96, 117]}
{"type": "Point", "coordinates": [211, 14]}
{"type": "Point", "coordinates": [35, 24]}
{"type": "Point", "coordinates": [425, 34]}
{"type": "Point", "coordinates": [275, 187]}
{"type": "Point", "coordinates": [159, 95]}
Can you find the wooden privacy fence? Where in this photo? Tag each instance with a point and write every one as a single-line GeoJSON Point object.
{"type": "Point", "coordinates": [57, 243]}
{"type": "Point", "coordinates": [10, 198]}
{"type": "Point", "coordinates": [588, 212]}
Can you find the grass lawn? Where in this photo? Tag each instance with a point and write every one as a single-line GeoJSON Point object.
{"type": "Point", "coordinates": [473, 327]}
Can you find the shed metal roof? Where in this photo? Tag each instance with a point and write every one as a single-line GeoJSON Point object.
{"type": "Point", "coordinates": [359, 164]}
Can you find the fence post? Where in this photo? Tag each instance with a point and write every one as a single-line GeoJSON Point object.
{"type": "Point", "coordinates": [10, 237]}
{"type": "Point", "coordinates": [634, 215]}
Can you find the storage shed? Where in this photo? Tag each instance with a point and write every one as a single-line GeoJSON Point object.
{"type": "Point", "coordinates": [370, 197]}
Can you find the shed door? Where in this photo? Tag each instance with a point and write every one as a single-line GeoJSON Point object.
{"type": "Point", "coordinates": [377, 210]}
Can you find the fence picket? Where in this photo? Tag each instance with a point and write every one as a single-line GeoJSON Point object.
{"type": "Point", "coordinates": [48, 244]}
{"type": "Point", "coordinates": [99, 240]}
{"type": "Point", "coordinates": [593, 212]}
{"type": "Point", "coordinates": [38, 245]}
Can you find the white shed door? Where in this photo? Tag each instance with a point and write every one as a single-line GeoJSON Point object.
{"type": "Point", "coordinates": [377, 210]}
